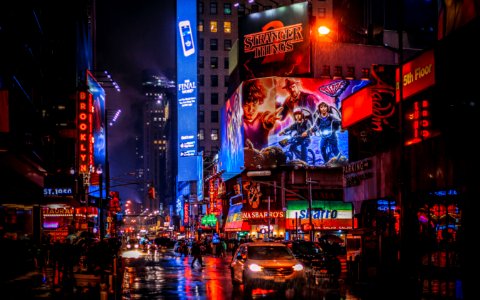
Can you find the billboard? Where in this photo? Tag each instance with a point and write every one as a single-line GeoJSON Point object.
{"type": "Point", "coordinates": [417, 75]}
{"type": "Point", "coordinates": [231, 152]}
{"type": "Point", "coordinates": [452, 15]}
{"type": "Point", "coordinates": [326, 215]}
{"type": "Point", "coordinates": [234, 219]}
{"type": "Point", "coordinates": [98, 129]}
{"type": "Point", "coordinates": [275, 42]}
{"type": "Point", "coordinates": [286, 121]}
{"type": "Point", "coordinates": [187, 90]}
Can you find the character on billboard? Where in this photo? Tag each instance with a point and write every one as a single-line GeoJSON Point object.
{"type": "Point", "coordinates": [253, 193]}
{"type": "Point", "coordinates": [299, 136]}
{"type": "Point", "coordinates": [296, 99]}
{"type": "Point", "coordinates": [257, 125]}
{"type": "Point", "coordinates": [326, 123]}
{"type": "Point", "coordinates": [234, 121]}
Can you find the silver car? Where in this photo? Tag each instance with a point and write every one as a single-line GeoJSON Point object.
{"type": "Point", "coordinates": [267, 265]}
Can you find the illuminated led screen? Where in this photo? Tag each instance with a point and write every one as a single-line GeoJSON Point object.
{"type": "Point", "coordinates": [98, 130]}
{"type": "Point", "coordinates": [271, 134]}
{"type": "Point", "coordinates": [187, 52]}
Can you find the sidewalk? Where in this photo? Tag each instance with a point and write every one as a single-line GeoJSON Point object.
{"type": "Point", "coordinates": [35, 285]}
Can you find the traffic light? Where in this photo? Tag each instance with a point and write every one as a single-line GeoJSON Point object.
{"type": "Point", "coordinates": [151, 192]}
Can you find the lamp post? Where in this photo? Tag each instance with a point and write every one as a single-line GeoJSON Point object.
{"type": "Point", "coordinates": [100, 204]}
{"type": "Point", "coordinates": [310, 199]}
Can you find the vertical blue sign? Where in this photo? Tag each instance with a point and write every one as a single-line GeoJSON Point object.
{"type": "Point", "coordinates": [98, 130]}
{"type": "Point", "coordinates": [187, 52]}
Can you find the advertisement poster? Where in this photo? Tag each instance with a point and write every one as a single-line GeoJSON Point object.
{"type": "Point", "coordinates": [98, 130]}
{"type": "Point", "coordinates": [290, 121]}
{"type": "Point", "coordinates": [275, 42]}
{"type": "Point", "coordinates": [187, 90]}
{"type": "Point", "coordinates": [326, 215]}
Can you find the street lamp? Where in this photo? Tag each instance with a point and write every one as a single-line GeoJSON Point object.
{"type": "Point", "coordinates": [100, 212]}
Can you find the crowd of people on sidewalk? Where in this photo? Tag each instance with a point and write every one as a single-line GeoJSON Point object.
{"type": "Point", "coordinates": [58, 260]}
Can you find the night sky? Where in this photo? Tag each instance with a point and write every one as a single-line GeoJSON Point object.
{"type": "Point", "coordinates": [131, 36]}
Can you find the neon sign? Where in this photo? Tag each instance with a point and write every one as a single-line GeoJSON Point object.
{"type": "Point", "coordinates": [84, 125]}
{"type": "Point", "coordinates": [419, 119]}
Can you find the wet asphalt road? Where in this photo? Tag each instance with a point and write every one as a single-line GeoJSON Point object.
{"type": "Point", "coordinates": [167, 275]}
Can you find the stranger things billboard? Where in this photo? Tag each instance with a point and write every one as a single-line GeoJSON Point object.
{"type": "Point", "coordinates": [280, 121]}
{"type": "Point", "coordinates": [275, 42]}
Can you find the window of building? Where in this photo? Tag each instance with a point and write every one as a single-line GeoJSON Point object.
{"type": "Point", "coordinates": [214, 116]}
{"type": "Point", "coordinates": [214, 98]}
{"type": "Point", "coordinates": [200, 44]}
{"type": "Point", "coordinates": [338, 71]}
{"type": "Point", "coordinates": [226, 63]}
{"type": "Point", "coordinates": [201, 80]}
{"type": "Point", "coordinates": [365, 73]}
{"type": "Point", "coordinates": [201, 62]}
{"type": "Point", "coordinates": [322, 12]}
{"type": "Point", "coordinates": [326, 70]}
{"type": "Point", "coordinates": [213, 80]}
{"type": "Point", "coordinates": [225, 80]}
{"type": "Point", "coordinates": [201, 98]}
{"type": "Point", "coordinates": [201, 7]}
{"type": "Point", "coordinates": [201, 134]}
{"type": "Point", "coordinates": [200, 25]}
{"type": "Point", "coordinates": [214, 44]}
{"type": "Point", "coordinates": [201, 116]}
{"type": "Point", "coordinates": [214, 62]}
{"type": "Point", "coordinates": [227, 27]}
{"type": "Point", "coordinates": [213, 8]}
{"type": "Point", "coordinates": [213, 26]}
{"type": "Point", "coordinates": [227, 9]}
{"type": "Point", "coordinates": [227, 44]}
{"type": "Point", "coordinates": [350, 72]}
{"type": "Point", "coordinates": [241, 10]}
{"type": "Point", "coordinates": [214, 135]}
{"type": "Point", "coordinates": [214, 149]}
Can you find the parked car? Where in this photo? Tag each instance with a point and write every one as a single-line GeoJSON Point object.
{"type": "Point", "coordinates": [164, 243]}
{"type": "Point", "coordinates": [268, 265]}
{"type": "Point", "coordinates": [319, 264]}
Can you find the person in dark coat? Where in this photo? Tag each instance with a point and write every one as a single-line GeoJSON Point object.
{"type": "Point", "coordinates": [197, 253]}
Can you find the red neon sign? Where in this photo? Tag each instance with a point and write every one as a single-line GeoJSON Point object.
{"type": "Point", "coordinates": [84, 128]}
{"type": "Point", "coordinates": [419, 120]}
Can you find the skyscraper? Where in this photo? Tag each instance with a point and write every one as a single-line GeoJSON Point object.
{"type": "Point", "coordinates": [157, 142]}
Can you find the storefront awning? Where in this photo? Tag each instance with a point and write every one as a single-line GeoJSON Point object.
{"type": "Point", "coordinates": [234, 221]}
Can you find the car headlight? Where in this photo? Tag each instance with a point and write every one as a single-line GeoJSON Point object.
{"type": "Point", "coordinates": [255, 268]}
{"type": "Point", "coordinates": [298, 267]}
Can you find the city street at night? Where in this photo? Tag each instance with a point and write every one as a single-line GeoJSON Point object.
{"type": "Point", "coordinates": [238, 149]}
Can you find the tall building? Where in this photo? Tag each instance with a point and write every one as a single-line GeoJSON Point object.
{"type": "Point", "coordinates": [47, 49]}
{"type": "Point", "coordinates": [368, 22]}
{"type": "Point", "coordinates": [157, 141]}
{"type": "Point", "coordinates": [217, 33]}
